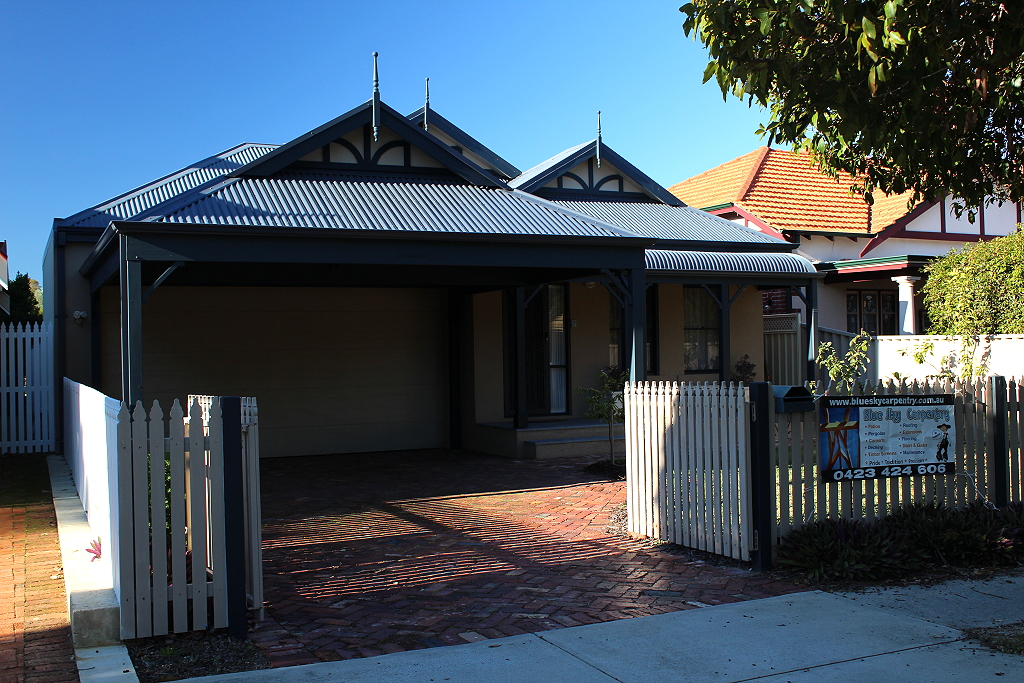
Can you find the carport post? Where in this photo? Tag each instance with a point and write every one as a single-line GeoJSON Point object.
{"type": "Point", "coordinates": [131, 326]}
{"type": "Point", "coordinates": [761, 489]}
{"type": "Point", "coordinates": [234, 516]}
{"type": "Point", "coordinates": [519, 415]}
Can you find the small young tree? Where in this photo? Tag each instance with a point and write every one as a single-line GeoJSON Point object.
{"type": "Point", "coordinates": [604, 402]}
{"type": "Point", "coordinates": [846, 369]}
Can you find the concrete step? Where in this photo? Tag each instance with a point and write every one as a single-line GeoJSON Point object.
{"type": "Point", "coordinates": [564, 448]}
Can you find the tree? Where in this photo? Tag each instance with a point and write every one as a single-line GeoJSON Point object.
{"type": "Point", "coordinates": [922, 95]}
{"type": "Point", "coordinates": [605, 402]}
{"type": "Point", "coordinates": [978, 290]}
{"type": "Point", "coordinates": [25, 301]}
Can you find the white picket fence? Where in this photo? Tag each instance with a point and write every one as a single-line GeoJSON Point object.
{"type": "Point", "coordinates": [26, 388]}
{"type": "Point", "coordinates": [802, 496]}
{"type": "Point", "coordinates": [687, 459]}
{"type": "Point", "coordinates": [688, 463]}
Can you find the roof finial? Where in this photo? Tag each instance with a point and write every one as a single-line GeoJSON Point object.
{"type": "Point", "coordinates": [426, 107]}
{"type": "Point", "coordinates": [599, 138]}
{"type": "Point", "coordinates": [376, 99]}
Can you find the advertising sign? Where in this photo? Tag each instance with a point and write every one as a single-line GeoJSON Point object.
{"type": "Point", "coordinates": [875, 437]}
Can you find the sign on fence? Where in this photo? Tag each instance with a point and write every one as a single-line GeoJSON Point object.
{"type": "Point", "coordinates": [875, 437]}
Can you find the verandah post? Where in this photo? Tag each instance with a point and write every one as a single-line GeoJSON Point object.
{"type": "Point", "coordinates": [761, 493]}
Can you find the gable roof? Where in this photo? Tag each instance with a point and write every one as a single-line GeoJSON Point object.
{"type": "Point", "coordinates": [145, 197]}
{"type": "Point", "coordinates": [785, 190]}
{"type": "Point", "coordinates": [544, 172]}
{"type": "Point", "coordinates": [464, 140]}
{"type": "Point", "coordinates": [324, 200]}
{"type": "Point", "coordinates": [315, 139]}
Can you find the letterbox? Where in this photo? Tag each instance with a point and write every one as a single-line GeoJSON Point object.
{"type": "Point", "coordinates": [792, 399]}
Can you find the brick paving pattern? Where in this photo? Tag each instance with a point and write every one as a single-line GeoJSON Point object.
{"type": "Point", "coordinates": [35, 637]}
{"type": "Point", "coordinates": [391, 552]}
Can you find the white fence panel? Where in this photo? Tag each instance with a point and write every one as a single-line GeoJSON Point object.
{"type": "Point", "coordinates": [90, 447]}
{"type": "Point", "coordinates": [998, 354]}
{"type": "Point", "coordinates": [687, 459]}
{"type": "Point", "coordinates": [785, 356]}
{"type": "Point", "coordinates": [26, 388]}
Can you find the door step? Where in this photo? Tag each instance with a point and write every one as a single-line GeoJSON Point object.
{"type": "Point", "coordinates": [541, 449]}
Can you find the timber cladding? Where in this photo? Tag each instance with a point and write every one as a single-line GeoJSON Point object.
{"type": "Point", "coordinates": [335, 370]}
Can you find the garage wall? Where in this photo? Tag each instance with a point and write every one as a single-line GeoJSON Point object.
{"type": "Point", "coordinates": [335, 370]}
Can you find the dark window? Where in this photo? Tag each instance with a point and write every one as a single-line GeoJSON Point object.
{"type": "Point", "coordinates": [701, 331]}
{"type": "Point", "coordinates": [873, 312]}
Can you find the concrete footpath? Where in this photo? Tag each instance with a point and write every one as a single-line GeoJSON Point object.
{"type": "Point", "coordinates": [798, 638]}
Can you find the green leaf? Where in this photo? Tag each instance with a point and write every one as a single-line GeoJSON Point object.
{"type": "Point", "coordinates": [868, 27]}
{"type": "Point", "coordinates": [710, 71]}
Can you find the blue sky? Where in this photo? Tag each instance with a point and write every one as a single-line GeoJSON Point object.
{"type": "Point", "coordinates": [99, 97]}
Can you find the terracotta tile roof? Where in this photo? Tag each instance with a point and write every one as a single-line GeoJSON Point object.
{"type": "Point", "coordinates": [785, 191]}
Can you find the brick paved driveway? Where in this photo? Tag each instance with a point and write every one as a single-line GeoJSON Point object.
{"type": "Point", "coordinates": [35, 636]}
{"type": "Point", "coordinates": [388, 552]}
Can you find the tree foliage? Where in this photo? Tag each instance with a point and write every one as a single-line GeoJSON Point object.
{"type": "Point", "coordinates": [978, 290]}
{"type": "Point", "coordinates": [923, 95]}
{"type": "Point", "coordinates": [26, 305]}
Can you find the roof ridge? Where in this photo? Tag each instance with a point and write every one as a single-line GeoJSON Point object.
{"type": "Point", "coordinates": [161, 181]}
{"type": "Point", "coordinates": [755, 170]}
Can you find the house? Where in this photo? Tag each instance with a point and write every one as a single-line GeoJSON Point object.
{"type": "Point", "coordinates": [387, 282]}
{"type": "Point", "coordinates": [871, 255]}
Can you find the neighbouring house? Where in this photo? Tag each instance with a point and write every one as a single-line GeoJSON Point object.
{"type": "Point", "coordinates": [871, 255]}
{"type": "Point", "coordinates": [387, 282]}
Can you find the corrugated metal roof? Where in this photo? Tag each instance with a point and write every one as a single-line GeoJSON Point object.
{"type": "Point", "coordinates": [139, 200]}
{"type": "Point", "coordinates": [727, 262]}
{"type": "Point", "coordinates": [661, 221]}
{"type": "Point", "coordinates": [311, 201]}
{"type": "Point", "coordinates": [540, 169]}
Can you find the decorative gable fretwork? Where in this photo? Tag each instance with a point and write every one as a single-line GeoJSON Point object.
{"type": "Point", "coordinates": [587, 179]}
{"type": "Point", "coordinates": [358, 149]}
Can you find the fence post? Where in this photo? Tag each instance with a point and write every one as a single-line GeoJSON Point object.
{"type": "Point", "coordinates": [234, 515]}
{"type": "Point", "coordinates": [999, 458]}
{"type": "Point", "coordinates": [761, 493]}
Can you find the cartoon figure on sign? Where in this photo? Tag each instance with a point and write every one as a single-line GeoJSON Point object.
{"type": "Point", "coordinates": [942, 433]}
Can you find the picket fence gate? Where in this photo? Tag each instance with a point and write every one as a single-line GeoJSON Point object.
{"type": "Point", "coordinates": [687, 464]}
{"type": "Point", "coordinates": [172, 554]}
{"type": "Point", "coordinates": [26, 388]}
{"type": "Point", "coordinates": [251, 492]}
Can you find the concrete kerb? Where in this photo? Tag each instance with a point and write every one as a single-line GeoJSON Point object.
{"type": "Point", "coordinates": [93, 607]}
{"type": "Point", "coordinates": [804, 637]}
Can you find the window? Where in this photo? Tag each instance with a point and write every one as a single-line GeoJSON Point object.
{"type": "Point", "coordinates": [616, 345]}
{"type": "Point", "coordinates": [701, 331]}
{"type": "Point", "coordinates": [873, 312]}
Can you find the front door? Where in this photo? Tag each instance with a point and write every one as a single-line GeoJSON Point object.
{"type": "Point", "coordinates": [547, 353]}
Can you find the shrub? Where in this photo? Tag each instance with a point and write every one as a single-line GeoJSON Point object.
{"type": "Point", "coordinates": [912, 538]}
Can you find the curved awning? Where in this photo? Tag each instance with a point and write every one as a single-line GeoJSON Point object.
{"type": "Point", "coordinates": [728, 263]}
